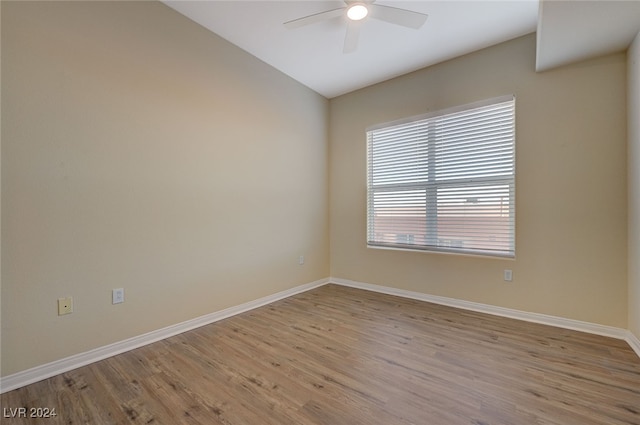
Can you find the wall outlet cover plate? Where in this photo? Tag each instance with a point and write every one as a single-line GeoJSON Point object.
{"type": "Point", "coordinates": [117, 296]}
{"type": "Point", "coordinates": [65, 306]}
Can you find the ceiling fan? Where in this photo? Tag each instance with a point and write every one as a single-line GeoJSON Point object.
{"type": "Point", "coordinates": [355, 12]}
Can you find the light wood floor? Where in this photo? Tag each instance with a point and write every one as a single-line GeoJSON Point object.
{"type": "Point", "coordinates": [342, 356]}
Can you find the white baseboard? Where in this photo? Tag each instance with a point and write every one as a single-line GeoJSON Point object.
{"type": "Point", "coordinates": [38, 373]}
{"type": "Point", "coordinates": [634, 342]}
{"type": "Point", "coordinates": [577, 325]}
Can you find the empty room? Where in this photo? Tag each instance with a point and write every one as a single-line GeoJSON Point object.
{"type": "Point", "coordinates": [320, 212]}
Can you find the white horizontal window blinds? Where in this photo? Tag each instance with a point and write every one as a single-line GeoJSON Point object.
{"type": "Point", "coordinates": [445, 181]}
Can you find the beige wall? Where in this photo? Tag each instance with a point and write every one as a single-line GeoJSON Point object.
{"type": "Point", "coordinates": [0, 193]}
{"type": "Point", "coordinates": [633, 76]}
{"type": "Point", "coordinates": [128, 160]}
{"type": "Point", "coordinates": [141, 151]}
{"type": "Point", "coordinates": [570, 184]}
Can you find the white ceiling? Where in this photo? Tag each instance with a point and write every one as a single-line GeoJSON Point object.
{"type": "Point", "coordinates": [568, 30]}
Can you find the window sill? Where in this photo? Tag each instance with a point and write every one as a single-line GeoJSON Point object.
{"type": "Point", "coordinates": [445, 251]}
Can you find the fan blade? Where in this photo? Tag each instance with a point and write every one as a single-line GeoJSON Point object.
{"type": "Point", "coordinates": [393, 15]}
{"type": "Point", "coordinates": [351, 39]}
{"type": "Point", "coordinates": [312, 19]}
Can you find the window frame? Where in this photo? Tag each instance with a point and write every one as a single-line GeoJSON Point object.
{"type": "Point", "coordinates": [432, 244]}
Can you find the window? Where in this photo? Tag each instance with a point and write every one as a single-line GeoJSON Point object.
{"type": "Point", "coordinates": [445, 181]}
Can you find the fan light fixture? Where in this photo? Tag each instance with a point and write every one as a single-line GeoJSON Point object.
{"type": "Point", "coordinates": [357, 12]}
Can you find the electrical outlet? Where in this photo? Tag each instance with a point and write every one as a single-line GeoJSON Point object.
{"type": "Point", "coordinates": [65, 306]}
{"type": "Point", "coordinates": [117, 296]}
{"type": "Point", "coordinates": [508, 275]}
{"type": "Point", "coordinates": [301, 260]}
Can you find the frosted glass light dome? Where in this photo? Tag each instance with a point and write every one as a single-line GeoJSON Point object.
{"type": "Point", "coordinates": [357, 12]}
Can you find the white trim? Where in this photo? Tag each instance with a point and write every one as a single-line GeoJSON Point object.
{"type": "Point", "coordinates": [447, 111]}
{"type": "Point", "coordinates": [576, 325]}
{"type": "Point", "coordinates": [38, 373]}
{"type": "Point", "coordinates": [634, 342]}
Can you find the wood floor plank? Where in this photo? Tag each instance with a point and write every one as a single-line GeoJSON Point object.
{"type": "Point", "coordinates": [337, 355]}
